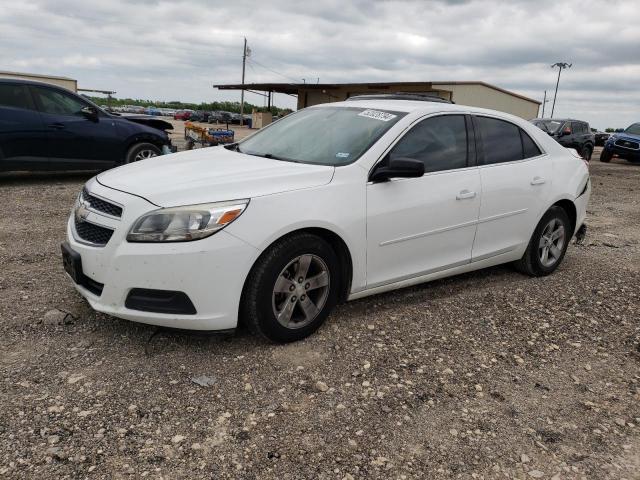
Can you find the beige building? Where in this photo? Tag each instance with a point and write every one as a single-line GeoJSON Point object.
{"type": "Point", "coordinates": [476, 94]}
{"type": "Point", "coordinates": [68, 83]}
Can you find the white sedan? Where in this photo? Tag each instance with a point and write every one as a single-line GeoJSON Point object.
{"type": "Point", "coordinates": [332, 203]}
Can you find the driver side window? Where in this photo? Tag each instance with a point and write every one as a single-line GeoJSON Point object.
{"type": "Point", "coordinates": [439, 142]}
{"type": "Point", "coordinates": [57, 102]}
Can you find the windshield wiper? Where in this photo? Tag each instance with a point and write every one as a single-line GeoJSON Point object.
{"type": "Point", "coordinates": [271, 156]}
{"type": "Point", "coordinates": [234, 147]}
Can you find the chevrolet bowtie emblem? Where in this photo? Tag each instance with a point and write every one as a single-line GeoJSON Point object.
{"type": "Point", "coordinates": [82, 213]}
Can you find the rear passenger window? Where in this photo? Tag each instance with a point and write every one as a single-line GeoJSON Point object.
{"type": "Point", "coordinates": [529, 147]}
{"type": "Point", "coordinates": [439, 142]}
{"type": "Point", "coordinates": [500, 140]}
{"type": "Point", "coordinates": [578, 127]}
{"type": "Point", "coordinates": [16, 96]}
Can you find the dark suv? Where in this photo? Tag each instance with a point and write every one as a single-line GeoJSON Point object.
{"type": "Point", "coordinates": [45, 127]}
{"type": "Point", "coordinates": [569, 133]}
{"type": "Point", "coordinates": [625, 144]}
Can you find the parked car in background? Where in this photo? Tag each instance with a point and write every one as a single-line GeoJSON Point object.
{"type": "Point", "coordinates": [182, 115]}
{"type": "Point", "coordinates": [600, 137]}
{"type": "Point", "coordinates": [625, 144]}
{"type": "Point", "coordinates": [220, 117]}
{"type": "Point", "coordinates": [199, 116]}
{"type": "Point", "coordinates": [45, 127]}
{"type": "Point", "coordinates": [152, 111]}
{"type": "Point", "coordinates": [334, 202]}
{"type": "Point", "coordinates": [569, 133]}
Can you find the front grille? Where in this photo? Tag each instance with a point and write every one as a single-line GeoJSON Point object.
{"type": "Point", "coordinates": [627, 144]}
{"type": "Point", "coordinates": [91, 233]}
{"type": "Point", "coordinates": [100, 205]}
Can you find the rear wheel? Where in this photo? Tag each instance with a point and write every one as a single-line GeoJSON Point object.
{"type": "Point", "coordinates": [292, 289]}
{"type": "Point", "coordinates": [606, 156]}
{"type": "Point", "coordinates": [586, 153]}
{"type": "Point", "coordinates": [548, 244]}
{"type": "Point", "coordinates": [141, 151]}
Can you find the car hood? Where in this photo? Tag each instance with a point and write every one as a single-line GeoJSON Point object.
{"type": "Point", "coordinates": [210, 175]}
{"type": "Point", "coordinates": [625, 136]}
{"type": "Point", "coordinates": [148, 120]}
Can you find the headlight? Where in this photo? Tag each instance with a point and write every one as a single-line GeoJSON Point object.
{"type": "Point", "coordinates": [182, 224]}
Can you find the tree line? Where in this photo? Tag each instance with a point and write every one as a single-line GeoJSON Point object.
{"type": "Point", "coordinates": [226, 106]}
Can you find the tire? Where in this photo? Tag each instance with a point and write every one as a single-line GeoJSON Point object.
{"type": "Point", "coordinates": [141, 151]}
{"type": "Point", "coordinates": [586, 153]}
{"type": "Point", "coordinates": [298, 308]}
{"type": "Point", "coordinates": [606, 156]}
{"type": "Point", "coordinates": [533, 261]}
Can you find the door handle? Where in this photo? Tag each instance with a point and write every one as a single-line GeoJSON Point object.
{"type": "Point", "coordinates": [56, 126]}
{"type": "Point", "coordinates": [537, 181]}
{"type": "Point", "coordinates": [465, 194]}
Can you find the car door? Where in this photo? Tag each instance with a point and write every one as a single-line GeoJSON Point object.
{"type": "Point", "coordinates": [581, 135]}
{"type": "Point", "coordinates": [23, 137]}
{"type": "Point", "coordinates": [76, 140]}
{"type": "Point", "coordinates": [516, 178]}
{"type": "Point", "coordinates": [417, 226]}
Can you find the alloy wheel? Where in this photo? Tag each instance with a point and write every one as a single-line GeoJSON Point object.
{"type": "Point", "coordinates": [301, 291]}
{"type": "Point", "coordinates": [144, 154]}
{"type": "Point", "coordinates": [551, 243]}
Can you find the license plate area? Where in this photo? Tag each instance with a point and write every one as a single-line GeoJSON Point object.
{"type": "Point", "coordinates": [72, 263]}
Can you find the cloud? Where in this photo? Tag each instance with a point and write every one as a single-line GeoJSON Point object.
{"type": "Point", "coordinates": [176, 49]}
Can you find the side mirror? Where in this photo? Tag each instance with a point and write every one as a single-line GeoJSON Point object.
{"type": "Point", "coordinates": [90, 113]}
{"type": "Point", "coordinates": [398, 167]}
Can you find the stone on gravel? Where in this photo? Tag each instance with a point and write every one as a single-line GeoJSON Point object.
{"type": "Point", "coordinates": [54, 317]}
{"type": "Point", "coordinates": [321, 386]}
{"type": "Point", "coordinates": [204, 380]}
{"type": "Point", "coordinates": [535, 473]}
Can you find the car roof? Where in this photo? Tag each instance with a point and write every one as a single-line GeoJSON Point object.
{"type": "Point", "coordinates": [418, 107]}
{"type": "Point", "coordinates": [558, 120]}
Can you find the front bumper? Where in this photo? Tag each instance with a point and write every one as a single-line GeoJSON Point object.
{"type": "Point", "coordinates": [211, 271]}
{"type": "Point", "coordinates": [623, 152]}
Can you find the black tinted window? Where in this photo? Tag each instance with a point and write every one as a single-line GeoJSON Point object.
{"type": "Point", "coordinates": [529, 147]}
{"type": "Point", "coordinates": [57, 102]}
{"type": "Point", "coordinates": [578, 127]}
{"type": "Point", "coordinates": [16, 96]}
{"type": "Point", "coordinates": [500, 140]}
{"type": "Point", "coordinates": [439, 142]}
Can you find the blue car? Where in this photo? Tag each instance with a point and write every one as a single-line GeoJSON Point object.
{"type": "Point", "coordinates": [45, 127]}
{"type": "Point", "coordinates": [625, 144]}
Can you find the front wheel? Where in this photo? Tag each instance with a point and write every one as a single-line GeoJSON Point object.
{"type": "Point", "coordinates": [141, 151]}
{"type": "Point", "coordinates": [548, 244]}
{"type": "Point", "coordinates": [606, 156]}
{"type": "Point", "coordinates": [291, 289]}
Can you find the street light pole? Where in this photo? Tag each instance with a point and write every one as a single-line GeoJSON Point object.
{"type": "Point", "coordinates": [244, 61]}
{"type": "Point", "coordinates": [560, 66]}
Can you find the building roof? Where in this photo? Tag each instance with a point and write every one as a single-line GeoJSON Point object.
{"type": "Point", "coordinates": [292, 88]}
{"type": "Point", "coordinates": [36, 75]}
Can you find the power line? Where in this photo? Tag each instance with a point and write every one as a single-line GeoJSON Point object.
{"type": "Point", "coordinates": [251, 60]}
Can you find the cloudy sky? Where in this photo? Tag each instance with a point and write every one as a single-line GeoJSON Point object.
{"type": "Point", "coordinates": [176, 49]}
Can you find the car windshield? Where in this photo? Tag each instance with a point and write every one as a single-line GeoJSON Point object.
{"type": "Point", "coordinates": [321, 135]}
{"type": "Point", "coordinates": [551, 126]}
{"type": "Point", "coordinates": [633, 129]}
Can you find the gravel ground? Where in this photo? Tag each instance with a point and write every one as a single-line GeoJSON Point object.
{"type": "Point", "coordinates": [485, 375]}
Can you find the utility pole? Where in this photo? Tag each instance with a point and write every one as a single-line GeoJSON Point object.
{"type": "Point", "coordinates": [544, 102]}
{"type": "Point", "coordinates": [560, 66]}
{"type": "Point", "coordinates": [244, 61]}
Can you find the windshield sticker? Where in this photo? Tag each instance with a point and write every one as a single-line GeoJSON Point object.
{"type": "Point", "coordinates": [342, 155]}
{"type": "Point", "coordinates": [378, 115]}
